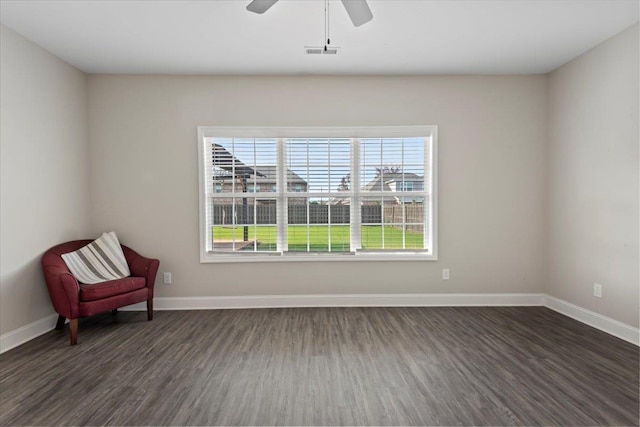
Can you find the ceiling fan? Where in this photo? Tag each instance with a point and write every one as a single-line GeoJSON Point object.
{"type": "Point", "coordinates": [358, 10]}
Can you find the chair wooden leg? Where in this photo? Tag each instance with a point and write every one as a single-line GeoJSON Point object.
{"type": "Point", "coordinates": [73, 331]}
{"type": "Point", "coordinates": [60, 323]}
{"type": "Point", "coordinates": [150, 309]}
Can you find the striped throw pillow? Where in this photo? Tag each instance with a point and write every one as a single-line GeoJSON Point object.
{"type": "Point", "coordinates": [99, 261]}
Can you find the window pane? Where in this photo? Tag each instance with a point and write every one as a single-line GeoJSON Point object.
{"type": "Point", "coordinates": [337, 177]}
{"type": "Point", "coordinates": [266, 237]}
{"type": "Point", "coordinates": [243, 224]}
{"type": "Point", "coordinates": [318, 212]}
{"type": "Point", "coordinates": [317, 165]}
{"type": "Point", "coordinates": [390, 223]}
{"type": "Point", "coordinates": [371, 210]}
{"type": "Point", "coordinates": [315, 225]}
{"type": "Point", "coordinates": [231, 239]}
{"type": "Point", "coordinates": [319, 224]}
{"type": "Point", "coordinates": [311, 238]}
{"type": "Point", "coordinates": [414, 211]}
{"type": "Point", "coordinates": [389, 236]}
{"type": "Point", "coordinates": [340, 214]}
{"type": "Point", "coordinates": [318, 238]}
{"type": "Point", "coordinates": [371, 236]}
{"type": "Point", "coordinates": [340, 238]}
{"type": "Point", "coordinates": [318, 151]}
{"type": "Point", "coordinates": [413, 177]}
{"type": "Point", "coordinates": [413, 151]}
{"type": "Point", "coordinates": [319, 179]}
{"type": "Point", "coordinates": [414, 236]}
{"type": "Point", "coordinates": [298, 211]}
{"type": "Point", "coordinates": [298, 238]}
{"type": "Point", "coordinates": [244, 165]}
{"type": "Point", "coordinates": [248, 166]}
{"type": "Point", "coordinates": [392, 236]}
{"type": "Point", "coordinates": [392, 164]}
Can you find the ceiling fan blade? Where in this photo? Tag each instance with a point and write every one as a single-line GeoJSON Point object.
{"type": "Point", "coordinates": [358, 11]}
{"type": "Point", "coordinates": [260, 6]}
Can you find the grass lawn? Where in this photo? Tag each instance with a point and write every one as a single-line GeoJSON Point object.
{"type": "Point", "coordinates": [317, 237]}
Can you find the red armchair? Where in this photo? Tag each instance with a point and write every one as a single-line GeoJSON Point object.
{"type": "Point", "coordinates": [73, 300]}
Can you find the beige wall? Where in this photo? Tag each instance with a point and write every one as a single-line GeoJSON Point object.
{"type": "Point", "coordinates": [593, 179]}
{"type": "Point", "coordinates": [491, 184]}
{"type": "Point", "coordinates": [44, 154]}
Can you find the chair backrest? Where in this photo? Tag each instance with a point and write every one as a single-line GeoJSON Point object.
{"type": "Point", "coordinates": [53, 256]}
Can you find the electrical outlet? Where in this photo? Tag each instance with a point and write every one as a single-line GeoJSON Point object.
{"type": "Point", "coordinates": [445, 274]}
{"type": "Point", "coordinates": [597, 290]}
{"type": "Point", "coordinates": [167, 278]}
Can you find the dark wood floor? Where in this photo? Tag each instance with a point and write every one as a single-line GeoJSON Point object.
{"type": "Point", "coordinates": [324, 366]}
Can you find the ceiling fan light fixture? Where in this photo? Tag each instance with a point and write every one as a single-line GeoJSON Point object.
{"type": "Point", "coordinates": [320, 50]}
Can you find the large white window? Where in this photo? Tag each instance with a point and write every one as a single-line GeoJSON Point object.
{"type": "Point", "coordinates": [270, 194]}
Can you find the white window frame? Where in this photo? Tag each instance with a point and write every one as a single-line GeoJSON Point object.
{"type": "Point", "coordinates": [431, 215]}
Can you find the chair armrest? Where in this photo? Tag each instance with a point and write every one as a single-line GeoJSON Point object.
{"type": "Point", "coordinates": [55, 270]}
{"type": "Point", "coordinates": [64, 291]}
{"type": "Point", "coordinates": [141, 266]}
{"type": "Point", "coordinates": [145, 267]}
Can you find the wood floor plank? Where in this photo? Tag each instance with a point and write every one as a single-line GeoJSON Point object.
{"type": "Point", "coordinates": [324, 366]}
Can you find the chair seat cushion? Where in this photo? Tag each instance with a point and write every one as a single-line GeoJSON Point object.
{"type": "Point", "coordinates": [110, 288]}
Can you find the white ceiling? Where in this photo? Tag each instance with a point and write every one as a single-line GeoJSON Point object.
{"type": "Point", "coordinates": [405, 37]}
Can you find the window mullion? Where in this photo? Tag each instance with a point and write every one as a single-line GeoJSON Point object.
{"type": "Point", "coordinates": [426, 193]}
{"type": "Point", "coordinates": [404, 224]}
{"type": "Point", "coordinates": [234, 215]}
{"type": "Point", "coordinates": [356, 214]}
{"type": "Point", "coordinates": [282, 217]}
{"type": "Point", "coordinates": [255, 165]}
{"type": "Point", "coordinates": [328, 202]}
{"type": "Point", "coordinates": [329, 227]}
{"type": "Point", "coordinates": [208, 178]}
{"type": "Point", "coordinates": [255, 224]}
{"type": "Point", "coordinates": [307, 199]}
{"type": "Point", "coordinates": [403, 199]}
{"type": "Point", "coordinates": [308, 225]}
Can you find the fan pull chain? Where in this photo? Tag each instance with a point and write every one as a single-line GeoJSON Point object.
{"type": "Point", "coordinates": [328, 23]}
{"type": "Point", "coordinates": [326, 3]}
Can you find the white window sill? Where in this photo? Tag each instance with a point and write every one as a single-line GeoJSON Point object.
{"type": "Point", "coordinates": [319, 257]}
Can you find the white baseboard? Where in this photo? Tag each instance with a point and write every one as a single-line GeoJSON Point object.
{"type": "Point", "coordinates": [591, 318]}
{"type": "Point", "coordinates": [341, 300]}
{"type": "Point", "coordinates": [621, 330]}
{"type": "Point", "coordinates": [27, 332]}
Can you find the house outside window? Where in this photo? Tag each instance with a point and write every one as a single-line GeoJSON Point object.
{"type": "Point", "coordinates": [317, 193]}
